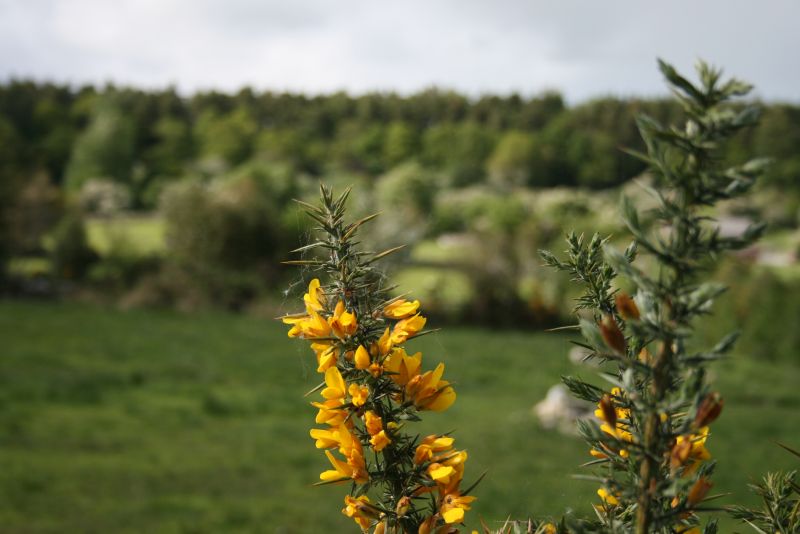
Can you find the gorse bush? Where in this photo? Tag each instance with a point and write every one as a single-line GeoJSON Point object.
{"type": "Point", "coordinates": [373, 389]}
{"type": "Point", "coordinates": [650, 442]}
{"type": "Point", "coordinates": [780, 493]}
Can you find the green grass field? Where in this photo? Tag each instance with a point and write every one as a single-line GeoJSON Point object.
{"type": "Point", "coordinates": [159, 422]}
{"type": "Point", "coordinates": [142, 235]}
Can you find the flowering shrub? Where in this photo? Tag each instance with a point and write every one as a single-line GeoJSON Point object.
{"type": "Point", "coordinates": [373, 389]}
{"type": "Point", "coordinates": [649, 441]}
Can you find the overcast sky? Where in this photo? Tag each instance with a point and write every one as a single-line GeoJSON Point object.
{"type": "Point", "coordinates": [583, 48]}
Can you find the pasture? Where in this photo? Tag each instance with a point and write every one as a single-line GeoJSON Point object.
{"type": "Point", "coordinates": [146, 421]}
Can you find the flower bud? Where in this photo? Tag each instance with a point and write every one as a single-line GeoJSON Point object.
{"type": "Point", "coordinates": [608, 411]}
{"type": "Point", "coordinates": [426, 527]}
{"type": "Point", "coordinates": [698, 491]}
{"type": "Point", "coordinates": [626, 306]}
{"type": "Point", "coordinates": [709, 410]}
{"type": "Point", "coordinates": [680, 453]}
{"type": "Point", "coordinates": [612, 335]}
{"type": "Point", "coordinates": [362, 360]}
{"type": "Point", "coordinates": [402, 506]}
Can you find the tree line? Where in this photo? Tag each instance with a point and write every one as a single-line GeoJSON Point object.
{"type": "Point", "coordinates": [143, 140]}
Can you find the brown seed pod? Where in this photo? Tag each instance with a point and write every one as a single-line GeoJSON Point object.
{"type": "Point", "coordinates": [626, 306]}
{"type": "Point", "coordinates": [612, 335]}
{"type": "Point", "coordinates": [609, 413]}
{"type": "Point", "coordinates": [709, 410]}
{"type": "Point", "coordinates": [698, 491]}
{"type": "Point", "coordinates": [680, 453]}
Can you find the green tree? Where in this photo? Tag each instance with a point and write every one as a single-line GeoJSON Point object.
{"type": "Point", "coordinates": [511, 162]}
{"type": "Point", "coordinates": [106, 148]}
{"type": "Point", "coordinates": [400, 143]}
{"type": "Point", "coordinates": [227, 136]}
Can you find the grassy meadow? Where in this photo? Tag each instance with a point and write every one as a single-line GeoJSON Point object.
{"type": "Point", "coordinates": [147, 421]}
{"type": "Point", "coordinates": [144, 235]}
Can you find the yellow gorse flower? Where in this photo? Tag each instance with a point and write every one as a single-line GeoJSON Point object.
{"type": "Point", "coordinates": [326, 356]}
{"type": "Point", "coordinates": [330, 412]}
{"type": "Point", "coordinates": [336, 387]}
{"type": "Point", "coordinates": [695, 447]}
{"type": "Point", "coordinates": [400, 309]}
{"type": "Point", "coordinates": [343, 323]}
{"type": "Point", "coordinates": [423, 390]}
{"type": "Point", "coordinates": [608, 497]}
{"type": "Point", "coordinates": [429, 392]}
{"type": "Point", "coordinates": [358, 394]}
{"type": "Point", "coordinates": [402, 366]}
{"type": "Point", "coordinates": [615, 422]}
{"type": "Point", "coordinates": [431, 446]}
{"type": "Point", "coordinates": [315, 298]}
{"type": "Point", "coordinates": [453, 507]}
{"type": "Point", "coordinates": [361, 358]}
{"type": "Point", "coordinates": [360, 510]}
{"type": "Point", "coordinates": [372, 389]}
{"type": "Point", "coordinates": [406, 328]}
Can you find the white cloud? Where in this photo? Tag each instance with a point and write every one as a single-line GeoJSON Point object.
{"type": "Point", "coordinates": [583, 48]}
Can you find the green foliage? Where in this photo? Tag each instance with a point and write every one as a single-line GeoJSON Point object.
{"type": "Point", "coordinates": [780, 494]}
{"type": "Point", "coordinates": [661, 399]}
{"type": "Point", "coordinates": [459, 149]}
{"type": "Point", "coordinates": [224, 240]}
{"type": "Point", "coordinates": [758, 304]}
{"type": "Point", "coordinates": [133, 421]}
{"type": "Point", "coordinates": [400, 143]}
{"type": "Point", "coordinates": [226, 136]}
{"type": "Point", "coordinates": [510, 163]}
{"type": "Point", "coordinates": [779, 138]}
{"type": "Point", "coordinates": [405, 197]}
{"type": "Point", "coordinates": [226, 224]}
{"type": "Point", "coordinates": [146, 139]}
{"type": "Point", "coordinates": [106, 148]}
{"type": "Point", "coordinates": [70, 254]}
{"type": "Point", "coordinates": [37, 207]}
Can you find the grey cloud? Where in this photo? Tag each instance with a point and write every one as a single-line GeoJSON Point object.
{"type": "Point", "coordinates": [584, 48]}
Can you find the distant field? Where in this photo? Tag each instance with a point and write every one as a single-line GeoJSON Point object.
{"type": "Point", "coordinates": [143, 235]}
{"type": "Point", "coordinates": [160, 422]}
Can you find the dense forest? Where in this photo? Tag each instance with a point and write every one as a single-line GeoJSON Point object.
{"type": "Point", "coordinates": [475, 185]}
{"type": "Point", "coordinates": [143, 140]}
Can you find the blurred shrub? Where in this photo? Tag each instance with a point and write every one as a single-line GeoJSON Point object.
{"type": "Point", "coordinates": [37, 208]}
{"type": "Point", "coordinates": [511, 162]}
{"type": "Point", "coordinates": [121, 264]}
{"type": "Point", "coordinates": [104, 197]}
{"type": "Point", "coordinates": [400, 143]}
{"type": "Point", "coordinates": [760, 304]}
{"type": "Point", "coordinates": [224, 240]}
{"type": "Point", "coordinates": [459, 149]}
{"type": "Point", "coordinates": [405, 197]}
{"type": "Point", "coordinates": [447, 293]}
{"type": "Point", "coordinates": [228, 136]}
{"type": "Point", "coordinates": [70, 254]}
{"type": "Point", "coordinates": [478, 208]}
{"type": "Point", "coordinates": [106, 148]}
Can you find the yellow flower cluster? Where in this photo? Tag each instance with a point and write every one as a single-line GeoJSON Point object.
{"type": "Point", "coordinates": [688, 452]}
{"type": "Point", "coordinates": [615, 423]}
{"type": "Point", "coordinates": [445, 467]}
{"type": "Point", "coordinates": [366, 369]}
